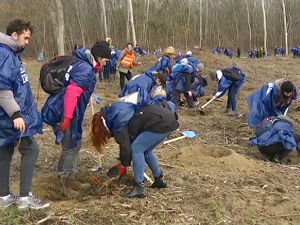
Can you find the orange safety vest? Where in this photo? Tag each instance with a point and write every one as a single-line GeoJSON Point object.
{"type": "Point", "coordinates": [128, 59]}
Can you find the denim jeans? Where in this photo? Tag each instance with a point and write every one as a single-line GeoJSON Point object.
{"type": "Point", "coordinates": [30, 152]}
{"type": "Point", "coordinates": [69, 157]}
{"type": "Point", "coordinates": [142, 153]}
{"type": "Point", "coordinates": [232, 97]}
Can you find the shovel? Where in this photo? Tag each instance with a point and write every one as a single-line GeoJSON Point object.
{"type": "Point", "coordinates": [186, 133]}
{"type": "Point", "coordinates": [202, 107]}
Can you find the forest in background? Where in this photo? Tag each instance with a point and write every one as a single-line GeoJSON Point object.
{"type": "Point", "coordinates": [60, 24]}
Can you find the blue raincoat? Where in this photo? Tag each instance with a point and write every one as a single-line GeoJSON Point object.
{"type": "Point", "coordinates": [282, 131]}
{"type": "Point", "coordinates": [83, 75]}
{"type": "Point", "coordinates": [164, 64]}
{"type": "Point", "coordinates": [146, 80]}
{"type": "Point", "coordinates": [262, 104]}
{"type": "Point", "coordinates": [14, 77]}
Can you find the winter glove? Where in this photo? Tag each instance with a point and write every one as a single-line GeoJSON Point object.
{"type": "Point", "coordinates": [64, 126]}
{"type": "Point", "coordinates": [116, 170]}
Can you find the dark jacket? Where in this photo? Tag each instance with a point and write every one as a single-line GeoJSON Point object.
{"type": "Point", "coordinates": [149, 118]}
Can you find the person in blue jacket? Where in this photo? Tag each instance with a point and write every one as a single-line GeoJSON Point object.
{"type": "Point", "coordinates": [138, 127]}
{"type": "Point", "coordinates": [231, 80]}
{"type": "Point", "coordinates": [20, 119]}
{"type": "Point", "coordinates": [272, 99]}
{"type": "Point", "coordinates": [147, 80]}
{"type": "Point", "coordinates": [65, 110]}
{"type": "Point", "coordinates": [276, 138]}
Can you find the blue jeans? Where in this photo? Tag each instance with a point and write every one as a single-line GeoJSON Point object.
{"type": "Point", "coordinates": [232, 97]}
{"type": "Point", "coordinates": [142, 153]}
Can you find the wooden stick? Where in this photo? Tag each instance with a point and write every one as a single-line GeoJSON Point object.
{"type": "Point", "coordinates": [92, 105]}
{"type": "Point", "coordinates": [174, 139]}
{"type": "Point", "coordinates": [148, 178]}
{"type": "Point", "coordinates": [202, 107]}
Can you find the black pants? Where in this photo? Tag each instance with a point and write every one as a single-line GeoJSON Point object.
{"type": "Point", "coordinates": [176, 97]}
{"type": "Point", "coordinates": [30, 152]}
{"type": "Point", "coordinates": [274, 150]}
{"type": "Point", "coordinates": [122, 78]}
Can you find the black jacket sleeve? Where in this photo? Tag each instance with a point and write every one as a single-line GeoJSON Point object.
{"type": "Point", "coordinates": [123, 139]}
{"type": "Point", "coordinates": [188, 81]}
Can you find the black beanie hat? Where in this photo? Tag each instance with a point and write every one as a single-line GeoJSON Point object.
{"type": "Point", "coordinates": [287, 86]}
{"type": "Point", "coordinates": [101, 49]}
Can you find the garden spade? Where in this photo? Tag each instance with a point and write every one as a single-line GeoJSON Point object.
{"type": "Point", "coordinates": [186, 133]}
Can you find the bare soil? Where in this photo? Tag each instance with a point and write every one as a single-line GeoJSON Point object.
{"type": "Point", "coordinates": [215, 178]}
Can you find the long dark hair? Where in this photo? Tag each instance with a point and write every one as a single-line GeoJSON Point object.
{"type": "Point", "coordinates": [99, 135]}
{"type": "Point", "coordinates": [283, 100]}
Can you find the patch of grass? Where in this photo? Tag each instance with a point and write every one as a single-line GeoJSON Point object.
{"type": "Point", "coordinates": [14, 217]}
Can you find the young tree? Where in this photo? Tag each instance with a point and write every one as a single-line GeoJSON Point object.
{"type": "Point", "coordinates": [131, 21]}
{"type": "Point", "coordinates": [265, 26]}
{"type": "Point", "coordinates": [285, 27]}
{"type": "Point", "coordinates": [104, 18]}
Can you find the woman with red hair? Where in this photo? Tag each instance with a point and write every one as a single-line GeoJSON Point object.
{"type": "Point", "coordinates": [137, 132]}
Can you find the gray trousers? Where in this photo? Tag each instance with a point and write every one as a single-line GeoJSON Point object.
{"type": "Point", "coordinates": [30, 152]}
{"type": "Point", "coordinates": [68, 162]}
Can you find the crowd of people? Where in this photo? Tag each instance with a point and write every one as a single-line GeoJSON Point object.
{"type": "Point", "coordinates": [144, 115]}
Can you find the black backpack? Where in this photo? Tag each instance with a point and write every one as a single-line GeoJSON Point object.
{"type": "Point", "coordinates": [232, 74]}
{"type": "Point", "coordinates": [52, 74]}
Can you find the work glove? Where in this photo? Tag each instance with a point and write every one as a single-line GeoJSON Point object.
{"type": "Point", "coordinates": [116, 170]}
{"type": "Point", "coordinates": [64, 126]}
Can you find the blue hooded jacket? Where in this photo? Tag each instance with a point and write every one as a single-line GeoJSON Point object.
{"type": "Point", "coordinates": [118, 115]}
{"type": "Point", "coordinates": [224, 84]}
{"type": "Point", "coordinates": [146, 80]}
{"type": "Point", "coordinates": [14, 77]}
{"type": "Point", "coordinates": [83, 75]}
{"type": "Point", "coordinates": [164, 64]}
{"type": "Point", "coordinates": [262, 104]}
{"type": "Point", "coordinates": [282, 131]}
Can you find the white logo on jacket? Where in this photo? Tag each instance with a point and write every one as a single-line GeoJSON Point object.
{"type": "Point", "coordinates": [24, 75]}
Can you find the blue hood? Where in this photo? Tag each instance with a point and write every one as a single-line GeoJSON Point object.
{"type": "Point", "coordinates": [85, 55]}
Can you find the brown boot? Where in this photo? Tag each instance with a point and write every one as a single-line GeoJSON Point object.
{"type": "Point", "coordinates": [76, 185]}
{"type": "Point", "coordinates": [66, 188]}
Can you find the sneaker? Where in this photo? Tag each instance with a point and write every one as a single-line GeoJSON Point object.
{"type": "Point", "coordinates": [31, 202]}
{"type": "Point", "coordinates": [8, 200]}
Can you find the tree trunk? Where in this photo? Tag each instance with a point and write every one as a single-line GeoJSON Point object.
{"type": "Point", "coordinates": [79, 22]}
{"type": "Point", "coordinates": [265, 26]}
{"type": "Point", "coordinates": [236, 24]}
{"type": "Point", "coordinates": [60, 28]}
{"type": "Point", "coordinates": [285, 27]}
{"type": "Point", "coordinates": [249, 25]}
{"type": "Point", "coordinates": [200, 22]}
{"type": "Point", "coordinates": [104, 19]}
{"type": "Point", "coordinates": [131, 21]}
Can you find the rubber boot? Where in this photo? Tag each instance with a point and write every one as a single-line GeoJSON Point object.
{"type": "Point", "coordinates": [137, 191]}
{"type": "Point", "coordinates": [66, 189]}
{"type": "Point", "coordinates": [159, 183]}
{"type": "Point", "coordinates": [76, 185]}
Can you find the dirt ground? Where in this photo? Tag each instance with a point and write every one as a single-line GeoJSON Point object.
{"type": "Point", "coordinates": [215, 178]}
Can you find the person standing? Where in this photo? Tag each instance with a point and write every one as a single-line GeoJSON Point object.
{"type": "Point", "coordinates": [20, 119]}
{"type": "Point", "coordinates": [126, 62]}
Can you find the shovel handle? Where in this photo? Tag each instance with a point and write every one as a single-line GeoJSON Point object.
{"type": "Point", "coordinates": [148, 178]}
{"type": "Point", "coordinates": [202, 107]}
{"type": "Point", "coordinates": [174, 139]}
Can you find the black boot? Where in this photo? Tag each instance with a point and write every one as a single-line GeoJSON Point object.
{"type": "Point", "coordinates": [137, 191]}
{"type": "Point", "coordinates": [159, 183]}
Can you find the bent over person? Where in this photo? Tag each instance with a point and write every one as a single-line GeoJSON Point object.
{"type": "Point", "coordinates": [138, 134]}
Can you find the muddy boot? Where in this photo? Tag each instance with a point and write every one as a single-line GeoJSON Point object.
{"type": "Point", "coordinates": [76, 185]}
{"type": "Point", "coordinates": [66, 189]}
{"type": "Point", "coordinates": [159, 183]}
{"type": "Point", "coordinates": [137, 191]}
